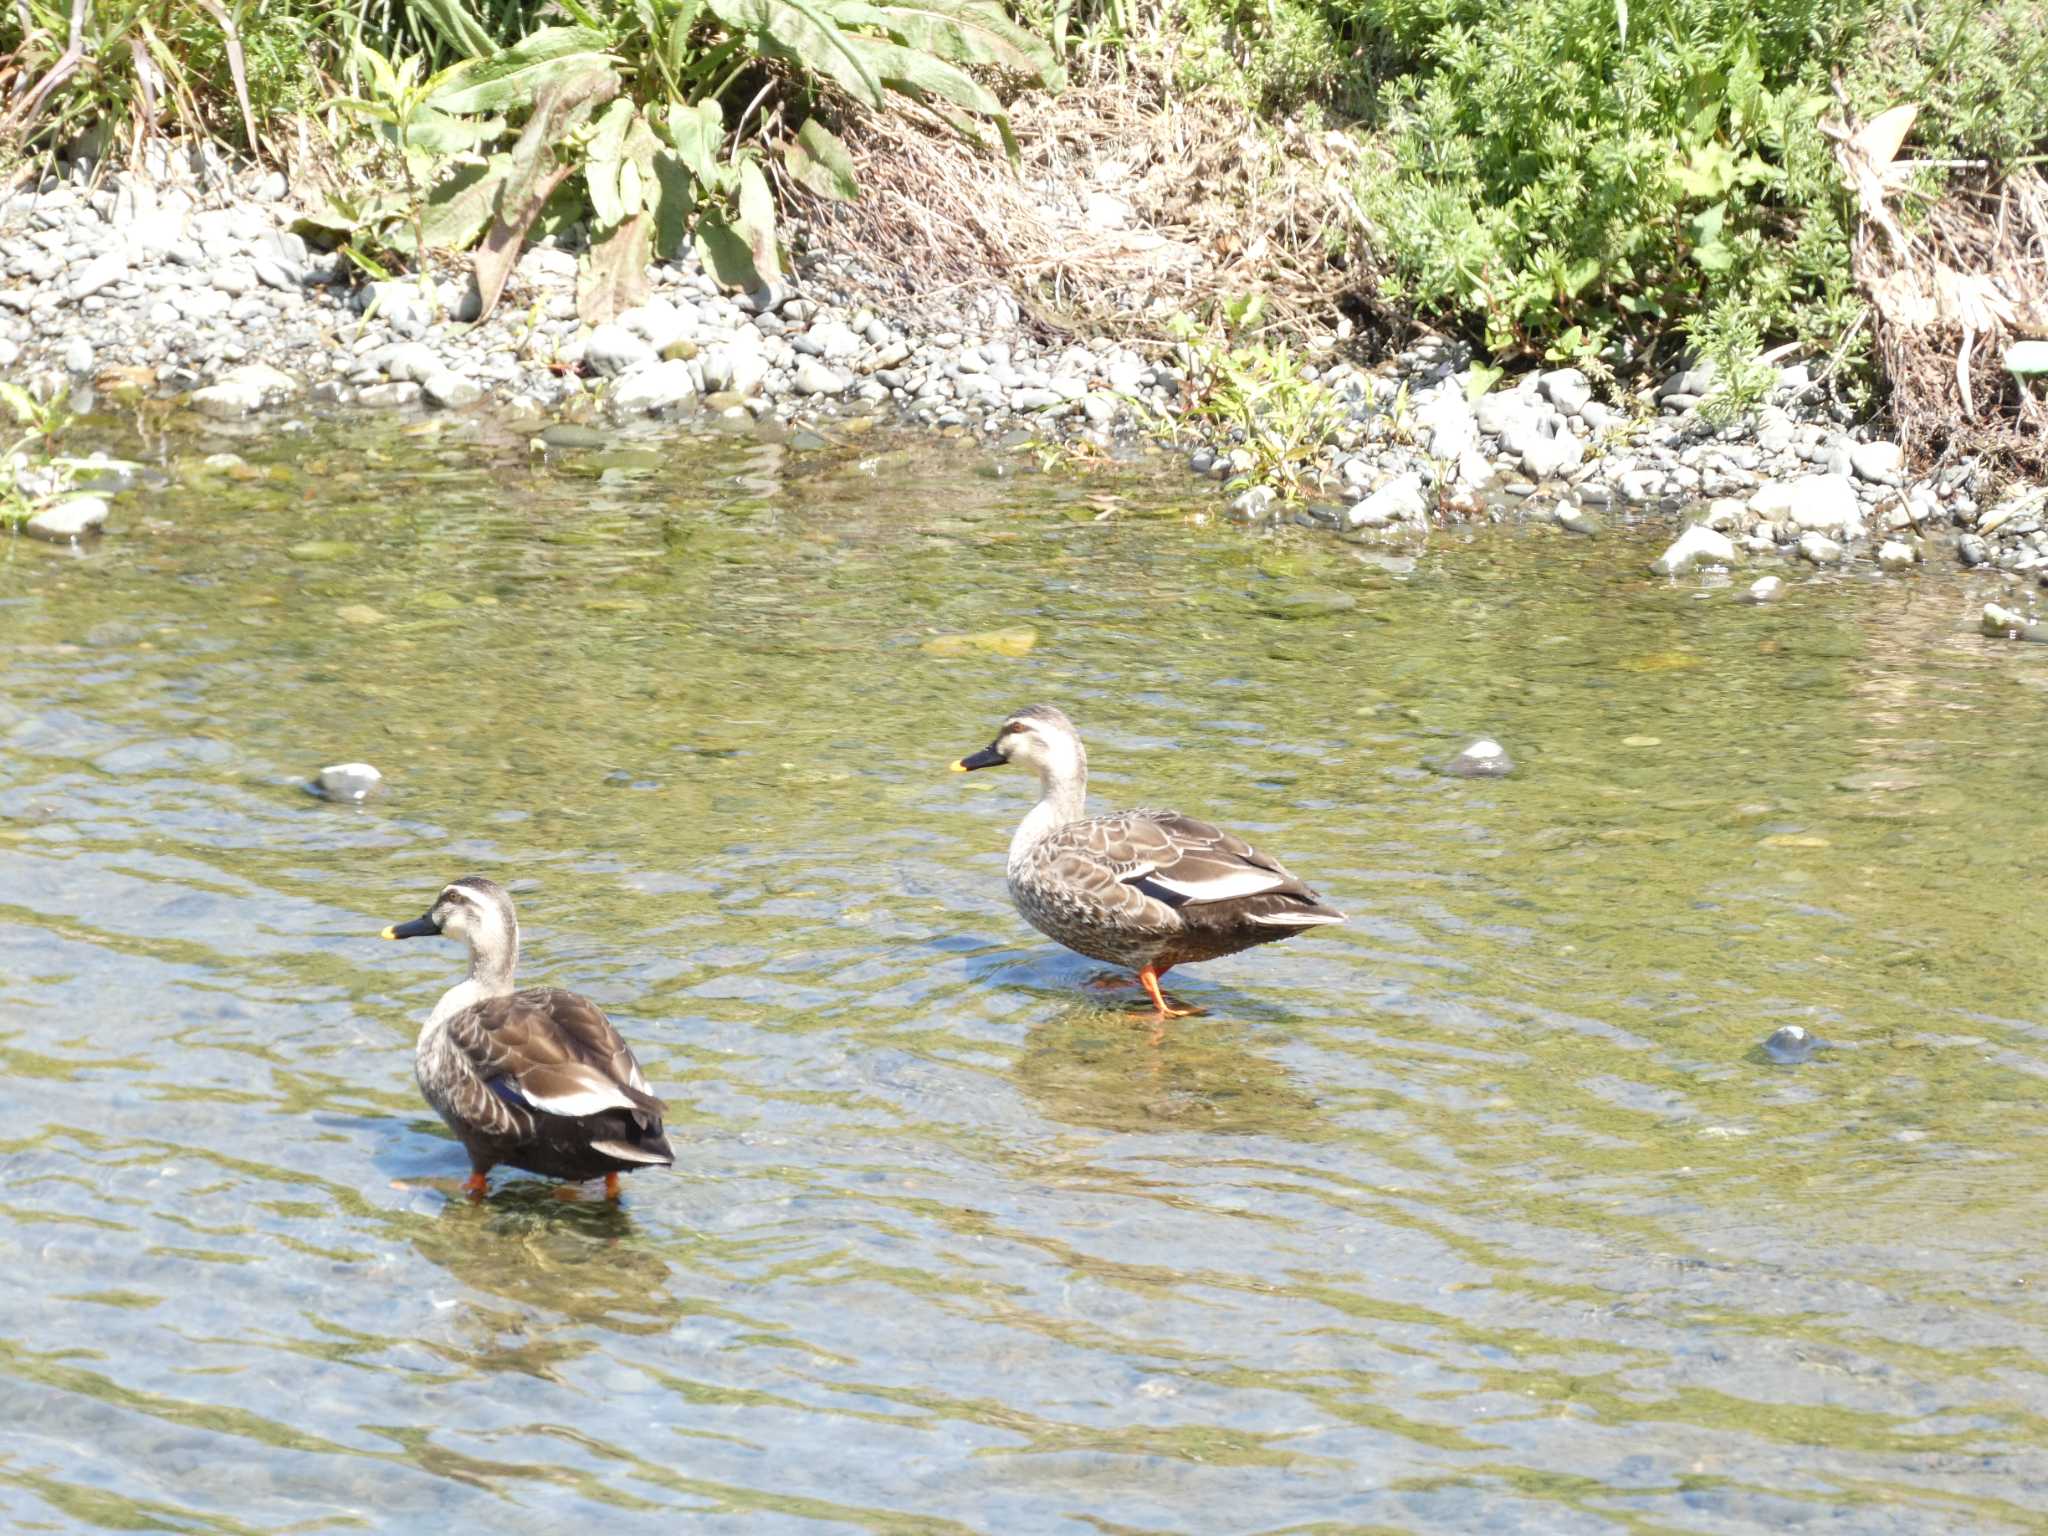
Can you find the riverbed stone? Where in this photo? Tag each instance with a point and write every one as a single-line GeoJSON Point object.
{"type": "Point", "coordinates": [1696, 545]}
{"type": "Point", "coordinates": [1400, 500]}
{"type": "Point", "coordinates": [614, 350]}
{"type": "Point", "coordinates": [1567, 389]}
{"type": "Point", "coordinates": [1482, 759]}
{"type": "Point", "coordinates": [74, 518]}
{"type": "Point", "coordinates": [1765, 589]}
{"type": "Point", "coordinates": [2002, 623]}
{"type": "Point", "coordinates": [1878, 463]}
{"type": "Point", "coordinates": [246, 389]}
{"type": "Point", "coordinates": [347, 783]}
{"type": "Point", "coordinates": [814, 377]}
{"type": "Point", "coordinates": [1897, 555]}
{"type": "Point", "coordinates": [1820, 549]}
{"type": "Point", "coordinates": [451, 390]}
{"type": "Point", "coordinates": [1815, 503]}
{"type": "Point", "coordinates": [653, 387]}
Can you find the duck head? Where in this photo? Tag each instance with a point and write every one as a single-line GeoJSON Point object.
{"type": "Point", "coordinates": [1038, 737]}
{"type": "Point", "coordinates": [474, 910]}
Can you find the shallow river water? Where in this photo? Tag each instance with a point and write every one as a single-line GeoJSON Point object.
{"type": "Point", "coordinates": [1484, 1212]}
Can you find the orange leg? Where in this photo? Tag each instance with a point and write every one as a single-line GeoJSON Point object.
{"type": "Point", "coordinates": [475, 1186]}
{"type": "Point", "coordinates": [611, 1186]}
{"type": "Point", "coordinates": [1148, 978]}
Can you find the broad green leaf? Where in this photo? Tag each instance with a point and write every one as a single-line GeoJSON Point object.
{"type": "Point", "coordinates": [757, 219]}
{"type": "Point", "coordinates": [516, 76]}
{"type": "Point", "coordinates": [697, 132]}
{"type": "Point", "coordinates": [676, 44]}
{"type": "Point", "coordinates": [603, 158]}
{"type": "Point", "coordinates": [819, 162]}
{"type": "Point", "coordinates": [960, 31]}
{"type": "Point", "coordinates": [724, 253]}
{"type": "Point", "coordinates": [675, 199]}
{"type": "Point", "coordinates": [899, 66]}
{"type": "Point", "coordinates": [459, 208]}
{"type": "Point", "coordinates": [612, 276]}
{"type": "Point", "coordinates": [798, 32]}
{"type": "Point", "coordinates": [439, 134]}
{"type": "Point", "coordinates": [457, 26]}
{"type": "Point", "coordinates": [534, 173]}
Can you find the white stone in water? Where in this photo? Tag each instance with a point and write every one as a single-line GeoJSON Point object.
{"type": "Point", "coordinates": [1896, 555]}
{"type": "Point", "coordinates": [248, 388]}
{"type": "Point", "coordinates": [1483, 759]}
{"type": "Point", "coordinates": [1766, 589]}
{"type": "Point", "coordinates": [1696, 544]}
{"type": "Point", "coordinates": [1725, 514]}
{"type": "Point", "coordinates": [69, 520]}
{"type": "Point", "coordinates": [1575, 519]}
{"type": "Point", "coordinates": [1818, 503]}
{"type": "Point", "coordinates": [451, 390]}
{"type": "Point", "coordinates": [651, 388]}
{"type": "Point", "coordinates": [350, 783]}
{"type": "Point", "coordinates": [2005, 624]}
{"type": "Point", "coordinates": [1400, 500]}
{"type": "Point", "coordinates": [1820, 549]}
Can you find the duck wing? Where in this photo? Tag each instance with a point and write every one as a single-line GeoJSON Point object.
{"type": "Point", "coordinates": [1161, 863]}
{"type": "Point", "coordinates": [555, 1052]}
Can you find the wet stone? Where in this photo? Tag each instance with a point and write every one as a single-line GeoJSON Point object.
{"type": "Point", "coordinates": [1790, 1045]}
{"type": "Point", "coordinates": [347, 783]}
{"type": "Point", "coordinates": [1483, 759]}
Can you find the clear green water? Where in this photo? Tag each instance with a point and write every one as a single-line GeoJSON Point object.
{"type": "Point", "coordinates": [1480, 1213]}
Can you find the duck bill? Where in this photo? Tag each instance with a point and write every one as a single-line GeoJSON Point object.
{"type": "Point", "coordinates": [987, 757]}
{"type": "Point", "coordinates": [418, 928]}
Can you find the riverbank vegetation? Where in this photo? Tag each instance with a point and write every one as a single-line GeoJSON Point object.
{"type": "Point", "coordinates": [1621, 185]}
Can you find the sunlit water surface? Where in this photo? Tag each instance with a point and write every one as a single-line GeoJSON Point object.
{"type": "Point", "coordinates": [1483, 1212]}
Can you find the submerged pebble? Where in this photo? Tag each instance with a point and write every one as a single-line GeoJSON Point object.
{"type": "Point", "coordinates": [1483, 759]}
{"type": "Point", "coordinates": [1790, 1044]}
{"type": "Point", "coordinates": [348, 783]}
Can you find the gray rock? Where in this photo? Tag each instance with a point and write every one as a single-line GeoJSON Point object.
{"type": "Point", "coordinates": [1790, 1045]}
{"type": "Point", "coordinates": [1574, 519]}
{"type": "Point", "coordinates": [69, 520]}
{"type": "Point", "coordinates": [1725, 514]}
{"type": "Point", "coordinates": [391, 396]}
{"type": "Point", "coordinates": [410, 362]}
{"type": "Point", "coordinates": [78, 356]}
{"type": "Point", "coordinates": [1878, 463]}
{"type": "Point", "coordinates": [1400, 500]}
{"type": "Point", "coordinates": [831, 340]}
{"type": "Point", "coordinates": [1567, 389]}
{"type": "Point", "coordinates": [613, 350]}
{"type": "Point", "coordinates": [2006, 624]}
{"type": "Point", "coordinates": [1698, 543]}
{"type": "Point", "coordinates": [1972, 550]}
{"type": "Point", "coordinates": [99, 273]}
{"type": "Point", "coordinates": [451, 390]}
{"type": "Point", "coordinates": [1447, 420]}
{"type": "Point", "coordinates": [1498, 413]}
{"type": "Point", "coordinates": [348, 783]}
{"type": "Point", "coordinates": [1765, 589]}
{"type": "Point", "coordinates": [1483, 759]}
{"type": "Point", "coordinates": [1254, 505]}
{"type": "Point", "coordinates": [653, 387]}
{"type": "Point", "coordinates": [814, 377]}
{"type": "Point", "coordinates": [1818, 503]}
{"type": "Point", "coordinates": [242, 390]}
{"type": "Point", "coordinates": [1820, 549]}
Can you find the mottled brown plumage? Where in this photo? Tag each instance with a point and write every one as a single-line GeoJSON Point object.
{"type": "Point", "coordinates": [1144, 889]}
{"type": "Point", "coordinates": [538, 1079]}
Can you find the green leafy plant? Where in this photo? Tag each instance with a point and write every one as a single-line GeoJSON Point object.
{"type": "Point", "coordinates": [32, 455]}
{"type": "Point", "coordinates": [1257, 391]}
{"type": "Point", "coordinates": [625, 113]}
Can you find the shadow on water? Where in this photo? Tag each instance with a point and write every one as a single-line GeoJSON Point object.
{"type": "Point", "coordinates": [1097, 1065]}
{"type": "Point", "coordinates": [1485, 1211]}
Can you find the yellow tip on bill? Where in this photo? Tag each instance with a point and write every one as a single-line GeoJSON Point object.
{"type": "Point", "coordinates": [389, 933]}
{"type": "Point", "coordinates": [960, 766]}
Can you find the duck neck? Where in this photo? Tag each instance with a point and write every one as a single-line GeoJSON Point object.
{"type": "Point", "coordinates": [1062, 796]}
{"type": "Point", "coordinates": [493, 957]}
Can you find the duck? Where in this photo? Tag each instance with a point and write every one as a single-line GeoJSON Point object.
{"type": "Point", "coordinates": [1144, 890]}
{"type": "Point", "coordinates": [536, 1079]}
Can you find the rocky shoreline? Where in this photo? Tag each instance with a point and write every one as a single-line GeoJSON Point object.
{"type": "Point", "coordinates": [185, 279]}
